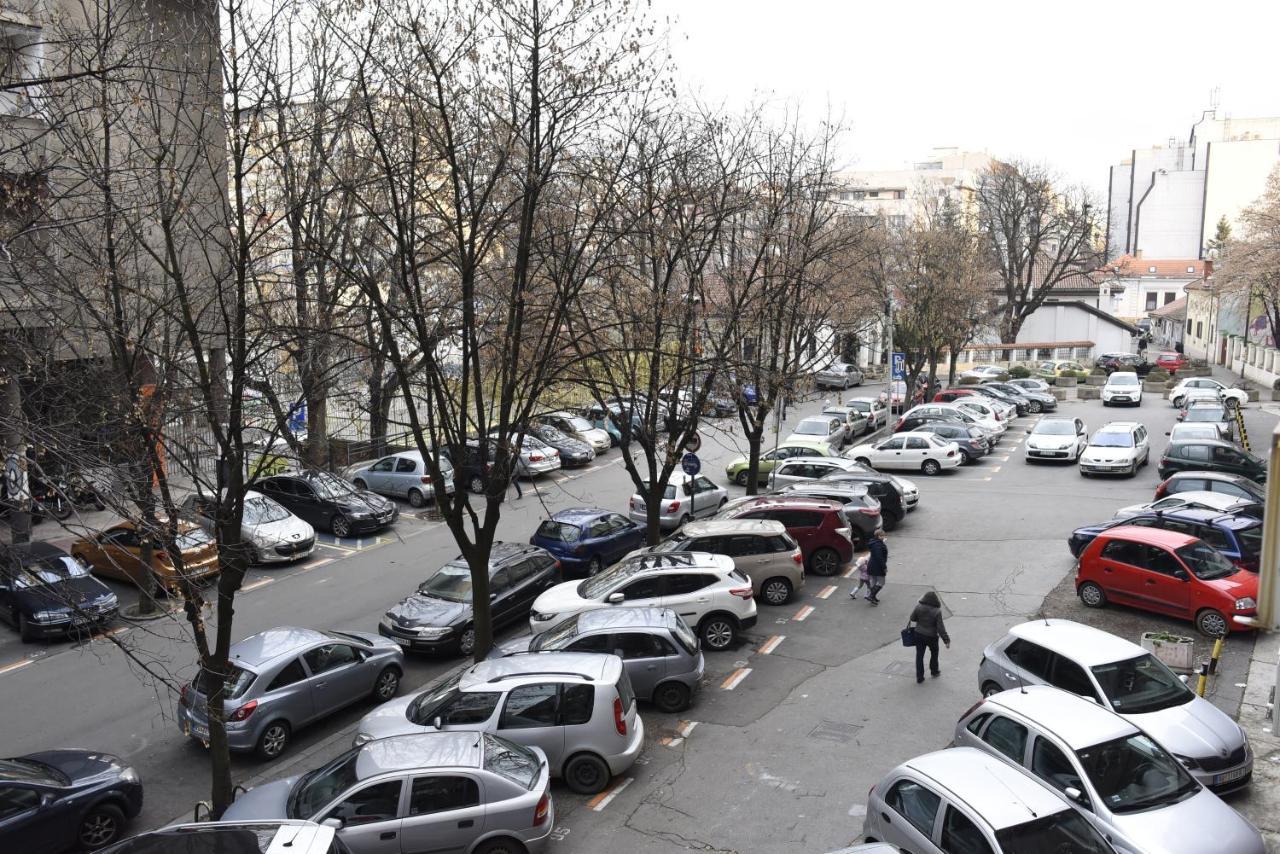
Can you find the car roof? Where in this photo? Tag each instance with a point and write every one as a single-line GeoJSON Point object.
{"type": "Point", "coordinates": [599, 619]}
{"type": "Point", "coordinates": [264, 647]}
{"type": "Point", "coordinates": [580, 514]}
{"type": "Point", "coordinates": [1118, 426]}
{"type": "Point", "coordinates": [294, 835]}
{"type": "Point", "coordinates": [583, 666]}
{"type": "Point", "coordinates": [1215, 443]}
{"type": "Point", "coordinates": [30, 552]}
{"type": "Point", "coordinates": [865, 399]}
{"type": "Point", "coordinates": [822, 485]}
{"type": "Point", "coordinates": [1079, 722]}
{"type": "Point", "coordinates": [1204, 516]}
{"type": "Point", "coordinates": [818, 417]}
{"type": "Point", "coordinates": [419, 750]}
{"type": "Point", "coordinates": [1003, 795]}
{"type": "Point", "coordinates": [1080, 643]}
{"type": "Point", "coordinates": [1149, 536]}
{"type": "Point", "coordinates": [815, 444]}
{"type": "Point", "coordinates": [1224, 476]}
{"type": "Point", "coordinates": [710, 527]}
{"type": "Point", "coordinates": [802, 502]}
{"type": "Point", "coordinates": [1115, 374]}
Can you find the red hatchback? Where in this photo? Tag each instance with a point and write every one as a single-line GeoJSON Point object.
{"type": "Point", "coordinates": [1172, 362]}
{"type": "Point", "coordinates": [817, 525]}
{"type": "Point", "coordinates": [1166, 572]}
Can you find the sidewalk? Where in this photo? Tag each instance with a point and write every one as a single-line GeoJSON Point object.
{"type": "Point", "coordinates": [1260, 803]}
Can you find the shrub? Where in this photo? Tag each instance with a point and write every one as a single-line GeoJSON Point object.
{"type": "Point", "coordinates": [1083, 375]}
{"type": "Point", "coordinates": [1019, 372]}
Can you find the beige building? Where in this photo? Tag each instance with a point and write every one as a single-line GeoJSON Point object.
{"type": "Point", "coordinates": [898, 194]}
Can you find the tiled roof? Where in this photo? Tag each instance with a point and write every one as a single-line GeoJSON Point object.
{"type": "Point", "coordinates": [1127, 266]}
{"type": "Point", "coordinates": [1177, 308]}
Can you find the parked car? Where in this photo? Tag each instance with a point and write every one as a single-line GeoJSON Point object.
{"type": "Point", "coordinates": [1052, 370]}
{"type": "Point", "coordinates": [738, 469]}
{"type": "Point", "coordinates": [1172, 362]}
{"type": "Point", "coordinates": [885, 488]}
{"type": "Point", "coordinates": [438, 616]}
{"type": "Point", "coordinates": [602, 419]}
{"type": "Point", "coordinates": [761, 548]}
{"type": "Point", "coordinates": [1101, 360]}
{"type": "Point", "coordinates": [1122, 387]}
{"type": "Point", "coordinates": [1033, 384]}
{"type": "Point", "coordinates": [404, 475]}
{"type": "Point", "coordinates": [861, 508]}
{"type": "Point", "coordinates": [60, 800]}
{"type": "Point", "coordinates": [577, 427]}
{"type": "Point", "coordinates": [684, 497]}
{"type": "Point", "coordinates": [1125, 362]}
{"type": "Point", "coordinates": [820, 527]}
{"type": "Point", "coordinates": [330, 503]}
{"type": "Point", "coordinates": [587, 539]}
{"type": "Point", "coordinates": [705, 589]}
{"type": "Point", "coordinates": [1016, 400]}
{"type": "Point", "coordinates": [928, 414]}
{"type": "Point", "coordinates": [573, 452]}
{"type": "Point", "coordinates": [1182, 432]}
{"type": "Point", "coordinates": [856, 422]}
{"type": "Point", "coordinates": [989, 406]}
{"type": "Point", "coordinates": [970, 443]}
{"type": "Point", "coordinates": [286, 678]}
{"type": "Point", "coordinates": [1237, 538]}
{"type": "Point", "coordinates": [830, 429]}
{"type": "Point", "coordinates": [1232, 397]}
{"type": "Point", "coordinates": [949, 411]}
{"type": "Point", "coordinates": [45, 592]}
{"type": "Point", "coordinates": [1169, 573]}
{"type": "Point", "coordinates": [422, 792]}
{"type": "Point", "coordinates": [284, 836]}
{"type": "Point", "coordinates": [1244, 488]}
{"type": "Point", "coordinates": [117, 553]}
{"type": "Point", "coordinates": [923, 452]}
{"type": "Point", "coordinates": [470, 465]}
{"type": "Point", "coordinates": [1203, 500]}
{"type": "Point", "coordinates": [966, 800]}
{"type": "Point", "coordinates": [1124, 677]}
{"type": "Point", "coordinates": [1215, 414]}
{"type": "Point", "coordinates": [1056, 438]}
{"type": "Point", "coordinates": [577, 708]}
{"type": "Point", "coordinates": [986, 372]}
{"type": "Point", "coordinates": [985, 407]}
{"type": "Point", "coordinates": [536, 456]}
{"type": "Point", "coordinates": [270, 532]}
{"type": "Point", "coordinates": [897, 396]}
{"type": "Point", "coordinates": [992, 426]}
{"type": "Point", "coordinates": [1214, 456]}
{"type": "Point", "coordinates": [1116, 775]}
{"type": "Point", "coordinates": [876, 410]}
{"type": "Point", "coordinates": [797, 469]}
{"type": "Point", "coordinates": [658, 649]}
{"type": "Point", "coordinates": [1121, 447]}
{"type": "Point", "coordinates": [838, 375]}
{"type": "Point", "coordinates": [1037, 401]}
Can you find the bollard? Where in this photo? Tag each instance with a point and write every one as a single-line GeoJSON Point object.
{"type": "Point", "coordinates": [1244, 434]}
{"type": "Point", "coordinates": [1217, 654]}
{"type": "Point", "coordinates": [1203, 682]}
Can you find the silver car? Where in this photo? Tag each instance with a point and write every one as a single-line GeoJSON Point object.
{"type": "Point", "coordinates": [658, 649]}
{"type": "Point", "coordinates": [684, 497]}
{"type": "Point", "coordinates": [272, 837]}
{"type": "Point", "coordinates": [577, 427]}
{"type": "Point", "coordinates": [831, 429]}
{"type": "Point", "coordinates": [1117, 776]}
{"type": "Point", "coordinates": [286, 678]}
{"type": "Point", "coordinates": [404, 475]}
{"type": "Point", "coordinates": [447, 792]}
{"type": "Point", "coordinates": [1131, 682]}
{"type": "Point", "coordinates": [856, 421]}
{"type": "Point", "coordinates": [272, 533]}
{"type": "Point", "coordinates": [800, 469]}
{"type": "Point", "coordinates": [838, 375]}
{"type": "Point", "coordinates": [876, 410]}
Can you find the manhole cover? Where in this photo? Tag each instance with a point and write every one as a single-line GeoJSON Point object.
{"type": "Point", "coordinates": [898, 668]}
{"type": "Point", "coordinates": [834, 731]}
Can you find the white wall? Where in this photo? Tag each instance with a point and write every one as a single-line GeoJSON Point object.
{"type": "Point", "coordinates": [1168, 215]}
{"type": "Point", "coordinates": [1118, 211]}
{"type": "Point", "coordinates": [1238, 174]}
{"type": "Point", "coordinates": [1064, 322]}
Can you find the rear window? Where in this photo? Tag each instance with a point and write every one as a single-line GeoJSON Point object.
{"type": "Point", "coordinates": [625, 693]}
{"type": "Point", "coordinates": [781, 543]}
{"type": "Point", "coordinates": [684, 635]}
{"type": "Point", "coordinates": [561, 532]}
{"type": "Point", "coordinates": [1250, 540]}
{"type": "Point", "coordinates": [507, 759]}
{"type": "Point", "coordinates": [738, 576]}
{"type": "Point", "coordinates": [669, 492]}
{"type": "Point", "coordinates": [238, 681]}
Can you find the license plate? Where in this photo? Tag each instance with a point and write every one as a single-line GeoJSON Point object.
{"type": "Point", "coordinates": [196, 731]}
{"type": "Point", "coordinates": [402, 641]}
{"type": "Point", "coordinates": [1230, 776]}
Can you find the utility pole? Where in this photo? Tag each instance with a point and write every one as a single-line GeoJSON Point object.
{"type": "Point", "coordinates": [888, 323]}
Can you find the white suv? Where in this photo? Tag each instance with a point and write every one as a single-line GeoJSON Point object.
{"type": "Point", "coordinates": [1122, 387]}
{"type": "Point", "coordinates": [1229, 396]}
{"type": "Point", "coordinates": [1116, 448]}
{"type": "Point", "coordinates": [703, 588]}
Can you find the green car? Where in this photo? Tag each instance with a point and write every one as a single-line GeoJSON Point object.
{"type": "Point", "coordinates": [737, 470]}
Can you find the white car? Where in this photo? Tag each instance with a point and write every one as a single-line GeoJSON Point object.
{"type": "Point", "coordinates": [705, 589]}
{"type": "Point", "coordinates": [910, 492]}
{"type": "Point", "coordinates": [273, 534]}
{"type": "Point", "coordinates": [831, 429]}
{"type": "Point", "coordinates": [994, 427]}
{"type": "Point", "coordinates": [876, 410]}
{"type": "Point", "coordinates": [984, 408]}
{"type": "Point", "coordinates": [1056, 438]}
{"type": "Point", "coordinates": [1230, 396]}
{"type": "Point", "coordinates": [577, 427]}
{"type": "Point", "coordinates": [1122, 387]}
{"type": "Point", "coordinates": [799, 469]}
{"type": "Point", "coordinates": [925, 452]}
{"type": "Point", "coordinates": [1194, 500]}
{"type": "Point", "coordinates": [1120, 447]}
{"type": "Point", "coordinates": [985, 372]}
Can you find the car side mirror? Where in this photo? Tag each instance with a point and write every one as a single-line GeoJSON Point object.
{"type": "Point", "coordinates": [335, 823]}
{"type": "Point", "coordinates": [614, 599]}
{"type": "Point", "coordinates": [1180, 574]}
{"type": "Point", "coordinates": [1074, 794]}
{"type": "Point", "coordinates": [1028, 431]}
{"type": "Point", "coordinates": [1168, 432]}
{"type": "Point", "coordinates": [437, 722]}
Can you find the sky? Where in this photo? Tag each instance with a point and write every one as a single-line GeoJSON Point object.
{"type": "Point", "coordinates": [1075, 85]}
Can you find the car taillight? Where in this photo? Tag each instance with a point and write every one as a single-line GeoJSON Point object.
{"type": "Point", "coordinates": [242, 713]}
{"type": "Point", "coordinates": [847, 533]}
{"type": "Point", "coordinates": [535, 458]}
{"type": "Point", "coordinates": [970, 710]}
{"type": "Point", "coordinates": [744, 592]}
{"type": "Point", "coordinates": [1164, 484]}
{"type": "Point", "coordinates": [619, 719]}
{"type": "Point", "coordinates": [869, 511]}
{"type": "Point", "coordinates": [673, 506]}
{"type": "Point", "coordinates": [797, 556]}
{"type": "Point", "coordinates": [426, 478]}
{"type": "Point", "coordinates": [951, 453]}
{"type": "Point", "coordinates": [543, 809]}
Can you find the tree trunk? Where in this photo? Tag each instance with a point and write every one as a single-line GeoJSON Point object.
{"type": "Point", "coordinates": [1010, 325]}
{"type": "Point", "coordinates": [951, 366]}
{"type": "Point", "coordinates": [755, 438]}
{"type": "Point", "coordinates": [317, 403]}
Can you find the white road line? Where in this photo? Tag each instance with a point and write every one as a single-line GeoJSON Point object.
{"type": "Point", "coordinates": [17, 665]}
{"type": "Point", "coordinates": [826, 591]}
{"type": "Point", "coordinates": [735, 678]}
{"type": "Point", "coordinates": [803, 613]}
{"type": "Point", "coordinates": [603, 799]}
{"type": "Point", "coordinates": [771, 644]}
{"type": "Point", "coordinates": [668, 741]}
{"type": "Point", "coordinates": [850, 572]}
{"type": "Point", "coordinates": [261, 582]}
{"type": "Point", "coordinates": [995, 469]}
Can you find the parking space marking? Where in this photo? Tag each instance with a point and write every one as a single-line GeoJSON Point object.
{"type": "Point", "coordinates": [850, 572]}
{"type": "Point", "coordinates": [735, 678]}
{"type": "Point", "coordinates": [603, 799]}
{"type": "Point", "coordinates": [771, 644]}
{"type": "Point", "coordinates": [261, 582]}
{"type": "Point", "coordinates": [826, 591]}
{"type": "Point", "coordinates": [668, 741]}
{"type": "Point", "coordinates": [685, 727]}
{"type": "Point", "coordinates": [337, 548]}
{"type": "Point", "coordinates": [17, 665]}
{"type": "Point", "coordinates": [803, 613]}
{"type": "Point", "coordinates": [995, 469]}
{"type": "Point", "coordinates": [314, 565]}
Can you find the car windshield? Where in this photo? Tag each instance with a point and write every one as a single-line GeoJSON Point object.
{"type": "Point", "coordinates": [451, 583]}
{"type": "Point", "coordinates": [558, 636]}
{"type": "Point", "coordinates": [317, 789]}
{"type": "Point", "coordinates": [1205, 413]}
{"type": "Point", "coordinates": [261, 510]}
{"type": "Point", "coordinates": [437, 695]}
{"type": "Point", "coordinates": [601, 585]}
{"type": "Point", "coordinates": [860, 405]}
{"type": "Point", "coordinates": [50, 570]}
{"type": "Point", "coordinates": [1111, 439]}
{"type": "Point", "coordinates": [580, 424]}
{"type": "Point", "coordinates": [1205, 562]}
{"type": "Point", "coordinates": [1050, 427]}
{"type": "Point", "coordinates": [1065, 831]}
{"type": "Point", "coordinates": [1134, 773]}
{"type": "Point", "coordinates": [328, 486]}
{"type": "Point", "coordinates": [1250, 538]}
{"type": "Point", "coordinates": [1193, 431]}
{"type": "Point", "coordinates": [1140, 685]}
{"type": "Point", "coordinates": [561, 532]}
{"type": "Point", "coordinates": [31, 771]}
{"type": "Point", "coordinates": [1118, 379]}
{"type": "Point", "coordinates": [813, 427]}
{"type": "Point", "coordinates": [507, 759]}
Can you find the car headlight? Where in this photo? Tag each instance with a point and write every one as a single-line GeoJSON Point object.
{"type": "Point", "coordinates": [540, 617]}
{"type": "Point", "coordinates": [50, 617]}
{"type": "Point", "coordinates": [1246, 603]}
{"type": "Point", "coordinates": [433, 633]}
{"type": "Point", "coordinates": [1187, 762]}
{"type": "Point", "coordinates": [359, 514]}
{"type": "Point", "coordinates": [361, 738]}
{"type": "Point", "coordinates": [129, 775]}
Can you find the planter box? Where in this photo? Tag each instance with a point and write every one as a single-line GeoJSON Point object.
{"type": "Point", "coordinates": [1066, 381]}
{"type": "Point", "coordinates": [1061, 393]}
{"type": "Point", "coordinates": [1089, 392]}
{"type": "Point", "coordinates": [1096, 379]}
{"type": "Point", "coordinates": [1177, 654]}
{"type": "Point", "coordinates": [1155, 388]}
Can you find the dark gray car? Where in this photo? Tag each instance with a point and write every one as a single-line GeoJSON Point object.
{"type": "Point", "coordinates": [287, 677]}
{"type": "Point", "coordinates": [973, 444]}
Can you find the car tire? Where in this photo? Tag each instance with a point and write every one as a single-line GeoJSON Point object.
{"type": "Point", "coordinates": [340, 525]}
{"type": "Point", "coordinates": [416, 498]}
{"type": "Point", "coordinates": [824, 562]}
{"type": "Point", "coordinates": [500, 845]}
{"type": "Point", "coordinates": [386, 685]}
{"type": "Point", "coordinates": [359, 483]}
{"type": "Point", "coordinates": [776, 591]}
{"type": "Point", "coordinates": [863, 461]}
{"type": "Point", "coordinates": [1092, 595]}
{"type": "Point", "coordinates": [467, 641]}
{"type": "Point", "coordinates": [684, 520]}
{"type": "Point", "coordinates": [989, 688]}
{"type": "Point", "coordinates": [594, 566]}
{"type": "Point", "coordinates": [1231, 403]}
{"type": "Point", "coordinates": [672, 697]}
{"type": "Point", "coordinates": [742, 477]}
{"type": "Point", "coordinates": [890, 520]}
{"type": "Point", "coordinates": [718, 632]}
{"type": "Point", "coordinates": [930, 467]}
{"type": "Point", "coordinates": [1177, 402]}
{"type": "Point", "coordinates": [101, 826]}
{"type": "Point", "coordinates": [965, 459]}
{"type": "Point", "coordinates": [723, 502]}
{"type": "Point", "coordinates": [24, 629]}
{"type": "Point", "coordinates": [476, 484]}
{"type": "Point", "coordinates": [586, 774]}
{"type": "Point", "coordinates": [274, 740]}
{"type": "Point", "coordinates": [1211, 623]}
{"type": "Point", "coordinates": [1035, 407]}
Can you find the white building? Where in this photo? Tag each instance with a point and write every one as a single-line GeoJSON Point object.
{"type": "Point", "coordinates": [1141, 285]}
{"type": "Point", "coordinates": [1166, 201]}
{"type": "Point", "coordinates": [896, 194]}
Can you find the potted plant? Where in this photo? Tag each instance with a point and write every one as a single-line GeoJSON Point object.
{"type": "Point", "coordinates": [1176, 651]}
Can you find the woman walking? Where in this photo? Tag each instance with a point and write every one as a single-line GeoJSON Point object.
{"type": "Point", "coordinates": [927, 616]}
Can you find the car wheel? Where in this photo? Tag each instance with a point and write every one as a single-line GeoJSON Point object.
{"type": "Point", "coordinates": [1105, 404]}
{"type": "Point", "coordinates": [989, 688]}
{"type": "Point", "coordinates": [252, 555]}
{"type": "Point", "coordinates": [500, 845]}
{"type": "Point", "coordinates": [776, 591]}
{"type": "Point", "coordinates": [594, 566]}
{"type": "Point", "coordinates": [386, 685]}
{"type": "Point", "coordinates": [359, 483]}
{"type": "Point", "coordinates": [741, 478]}
{"type": "Point", "coordinates": [274, 739]}
{"type": "Point", "coordinates": [476, 484]}
{"type": "Point", "coordinates": [717, 632]}
{"type": "Point", "coordinates": [1035, 407]}
{"type": "Point", "coordinates": [416, 498]}
{"type": "Point", "coordinates": [863, 461]}
{"type": "Point", "coordinates": [1092, 595]}
{"type": "Point", "coordinates": [890, 520]}
{"type": "Point", "coordinates": [672, 697]}
{"type": "Point", "coordinates": [467, 641]}
{"type": "Point", "coordinates": [930, 467]}
{"type": "Point", "coordinates": [25, 631]}
{"type": "Point", "coordinates": [101, 826]}
{"type": "Point", "coordinates": [340, 526]}
{"type": "Point", "coordinates": [1177, 403]}
{"type": "Point", "coordinates": [723, 502]}
{"type": "Point", "coordinates": [586, 774]}
{"type": "Point", "coordinates": [965, 459]}
{"type": "Point", "coordinates": [1232, 404]}
{"type": "Point", "coordinates": [824, 562]}
{"type": "Point", "coordinates": [1211, 623]}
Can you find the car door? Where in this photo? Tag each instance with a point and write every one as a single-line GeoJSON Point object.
{"type": "Point", "coordinates": [377, 477]}
{"type": "Point", "coordinates": [961, 836]}
{"type": "Point", "coordinates": [747, 553]}
{"type": "Point", "coordinates": [705, 496]}
{"type": "Point", "coordinates": [643, 656]}
{"type": "Point", "coordinates": [624, 536]}
{"type": "Point", "coordinates": [289, 694]}
{"type": "Point", "coordinates": [370, 817]}
{"type": "Point", "coordinates": [910, 816]}
{"type": "Point", "coordinates": [337, 677]}
{"type": "Point", "coordinates": [688, 595]}
{"type": "Point", "coordinates": [445, 814]}
{"type": "Point", "coordinates": [1028, 664]}
{"type": "Point", "coordinates": [888, 454]}
{"type": "Point", "coordinates": [1142, 443]}
{"type": "Point", "coordinates": [915, 450]}
{"type": "Point", "coordinates": [531, 716]}
{"type": "Point", "coordinates": [39, 829]}
{"type": "Point", "coordinates": [405, 477]}
{"type": "Point", "coordinates": [1121, 565]}
{"type": "Point", "coordinates": [646, 592]}
{"type": "Point", "coordinates": [1068, 676]}
{"type": "Point", "coordinates": [1164, 585]}
{"type": "Point", "coordinates": [1231, 460]}
{"type": "Point", "coordinates": [504, 597]}
{"type": "Point", "coordinates": [120, 554]}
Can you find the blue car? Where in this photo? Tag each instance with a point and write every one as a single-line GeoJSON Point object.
{"type": "Point", "coordinates": [1238, 538]}
{"type": "Point", "coordinates": [587, 539]}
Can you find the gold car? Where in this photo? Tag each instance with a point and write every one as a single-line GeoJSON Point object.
{"type": "Point", "coordinates": [117, 553]}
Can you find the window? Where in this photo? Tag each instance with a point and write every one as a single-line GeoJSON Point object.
{"type": "Point", "coordinates": [915, 803]}
{"type": "Point", "coordinates": [600, 528]}
{"type": "Point", "coordinates": [15, 800]}
{"type": "Point", "coordinates": [899, 194]}
{"type": "Point", "coordinates": [531, 706]}
{"type": "Point", "coordinates": [1124, 551]}
{"type": "Point", "coordinates": [576, 704]}
{"type": "Point", "coordinates": [961, 836]}
{"type": "Point", "coordinates": [743, 545]}
{"type": "Point", "coordinates": [645, 588]}
{"type": "Point", "coordinates": [331, 656]}
{"type": "Point", "coordinates": [1194, 452]}
{"type": "Point", "coordinates": [522, 571]}
{"type": "Point", "coordinates": [384, 464]}
{"type": "Point", "coordinates": [1051, 765]}
{"type": "Point", "coordinates": [379, 802]}
{"type": "Point", "coordinates": [405, 465]}
{"type": "Point", "coordinates": [291, 673]}
{"type": "Point", "coordinates": [1031, 657]}
{"type": "Point", "coordinates": [500, 581]}
{"type": "Point", "coordinates": [1044, 353]}
{"type": "Point", "coordinates": [680, 585]}
{"type": "Point", "coordinates": [1217, 538]}
{"type": "Point", "coordinates": [796, 518]}
{"type": "Point", "coordinates": [632, 645]}
{"type": "Point", "coordinates": [916, 443]}
{"type": "Point", "coordinates": [891, 445]}
{"type": "Point", "coordinates": [1226, 455]}
{"type": "Point", "coordinates": [1189, 328]}
{"type": "Point", "coordinates": [1008, 737]}
{"type": "Point", "coordinates": [591, 643]}
{"type": "Point", "coordinates": [1151, 301]}
{"type": "Point", "coordinates": [976, 724]}
{"type": "Point", "coordinates": [441, 794]}
{"type": "Point", "coordinates": [471, 708]}
{"type": "Point", "coordinates": [23, 50]}
{"type": "Point", "coordinates": [1159, 560]}
{"type": "Point", "coordinates": [1070, 676]}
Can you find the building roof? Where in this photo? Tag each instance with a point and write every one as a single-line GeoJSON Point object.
{"type": "Point", "coordinates": [1128, 267]}
{"type": "Point", "coordinates": [1177, 308]}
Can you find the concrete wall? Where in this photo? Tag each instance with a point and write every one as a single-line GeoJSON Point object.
{"type": "Point", "coordinates": [1118, 211]}
{"type": "Point", "coordinates": [1056, 322]}
{"type": "Point", "coordinates": [1237, 176]}
{"type": "Point", "coordinates": [1168, 215]}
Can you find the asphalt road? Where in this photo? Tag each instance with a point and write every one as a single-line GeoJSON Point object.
{"type": "Point", "coordinates": [789, 731]}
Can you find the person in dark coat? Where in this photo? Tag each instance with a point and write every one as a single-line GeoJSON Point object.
{"type": "Point", "coordinates": [927, 616]}
{"type": "Point", "coordinates": [877, 566]}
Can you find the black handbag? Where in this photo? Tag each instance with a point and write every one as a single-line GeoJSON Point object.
{"type": "Point", "coordinates": [909, 636]}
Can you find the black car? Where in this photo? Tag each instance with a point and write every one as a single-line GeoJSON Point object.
{"type": "Point", "coordinates": [1113, 362]}
{"type": "Point", "coordinates": [1212, 481]}
{"type": "Point", "coordinates": [60, 800]}
{"type": "Point", "coordinates": [973, 444]}
{"type": "Point", "coordinates": [573, 452]}
{"type": "Point", "coordinates": [469, 466]}
{"type": "Point", "coordinates": [45, 592]}
{"type": "Point", "coordinates": [1211, 455]}
{"type": "Point", "coordinates": [1037, 401]}
{"type": "Point", "coordinates": [882, 488]}
{"type": "Point", "coordinates": [330, 503]}
{"type": "Point", "coordinates": [438, 617]}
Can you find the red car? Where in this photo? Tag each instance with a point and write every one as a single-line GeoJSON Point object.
{"type": "Point", "coordinates": [1172, 362]}
{"type": "Point", "coordinates": [1169, 573]}
{"type": "Point", "coordinates": [818, 525]}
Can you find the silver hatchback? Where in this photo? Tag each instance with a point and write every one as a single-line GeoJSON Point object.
{"type": "Point", "coordinates": [405, 475]}
{"type": "Point", "coordinates": [285, 678]}
{"type": "Point", "coordinates": [454, 792]}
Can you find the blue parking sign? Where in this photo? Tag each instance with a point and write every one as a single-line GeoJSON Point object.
{"type": "Point", "coordinates": [899, 366]}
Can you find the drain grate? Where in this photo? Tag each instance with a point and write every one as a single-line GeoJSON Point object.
{"type": "Point", "coordinates": [834, 731]}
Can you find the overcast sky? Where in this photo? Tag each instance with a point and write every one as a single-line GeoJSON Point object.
{"type": "Point", "coordinates": [1075, 84]}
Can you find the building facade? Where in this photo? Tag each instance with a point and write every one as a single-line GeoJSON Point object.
{"type": "Point", "coordinates": [899, 195]}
